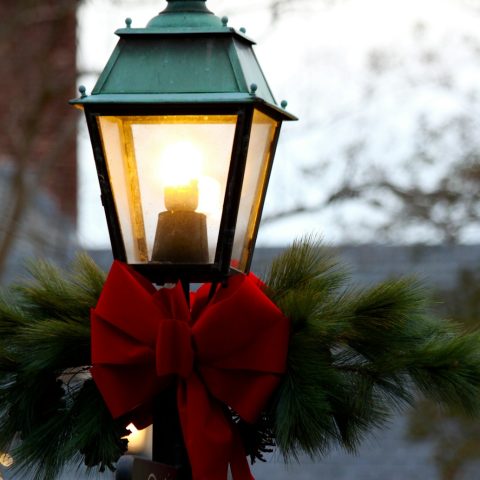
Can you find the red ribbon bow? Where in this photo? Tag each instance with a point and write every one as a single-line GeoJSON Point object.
{"type": "Point", "coordinates": [237, 343]}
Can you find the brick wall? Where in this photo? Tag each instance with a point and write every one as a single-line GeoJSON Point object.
{"type": "Point", "coordinates": [37, 126]}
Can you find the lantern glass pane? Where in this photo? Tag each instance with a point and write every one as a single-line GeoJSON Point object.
{"type": "Point", "coordinates": [168, 175]}
{"type": "Point", "coordinates": [257, 168]}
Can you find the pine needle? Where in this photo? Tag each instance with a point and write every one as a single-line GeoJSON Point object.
{"type": "Point", "coordinates": [358, 355]}
{"type": "Point", "coordinates": [306, 263]}
{"type": "Point", "coordinates": [51, 413]}
{"type": "Point", "coordinates": [355, 357]}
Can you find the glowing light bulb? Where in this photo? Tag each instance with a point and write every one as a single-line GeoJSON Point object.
{"type": "Point", "coordinates": [182, 165]}
{"type": "Point", "coordinates": [181, 234]}
{"type": "Point", "coordinates": [137, 439]}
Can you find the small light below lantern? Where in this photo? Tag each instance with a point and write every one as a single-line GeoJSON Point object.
{"type": "Point", "coordinates": [138, 439]}
{"type": "Point", "coordinates": [6, 460]}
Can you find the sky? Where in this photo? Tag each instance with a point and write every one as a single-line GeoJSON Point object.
{"type": "Point", "coordinates": [314, 56]}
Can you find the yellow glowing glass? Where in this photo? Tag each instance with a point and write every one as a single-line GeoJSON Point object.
{"type": "Point", "coordinates": [259, 161]}
{"type": "Point", "coordinates": [168, 175]}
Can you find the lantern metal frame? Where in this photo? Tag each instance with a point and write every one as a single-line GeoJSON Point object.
{"type": "Point", "coordinates": [221, 267]}
{"type": "Point", "coordinates": [160, 70]}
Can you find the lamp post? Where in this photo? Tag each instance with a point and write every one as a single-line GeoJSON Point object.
{"type": "Point", "coordinates": [184, 128]}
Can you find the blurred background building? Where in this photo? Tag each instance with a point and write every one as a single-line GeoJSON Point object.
{"type": "Point", "coordinates": [38, 167]}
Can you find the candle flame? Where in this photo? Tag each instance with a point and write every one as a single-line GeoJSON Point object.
{"type": "Point", "coordinates": [181, 163]}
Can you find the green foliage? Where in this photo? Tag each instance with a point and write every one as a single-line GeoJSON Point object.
{"type": "Point", "coordinates": [455, 437]}
{"type": "Point", "coordinates": [50, 410]}
{"type": "Point", "coordinates": [355, 356]}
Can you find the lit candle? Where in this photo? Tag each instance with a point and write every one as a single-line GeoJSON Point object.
{"type": "Point", "coordinates": [181, 234]}
{"type": "Point", "coordinates": [182, 197]}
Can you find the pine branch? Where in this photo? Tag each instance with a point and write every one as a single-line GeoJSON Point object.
{"type": "Point", "coordinates": [46, 396]}
{"type": "Point", "coordinates": [306, 263]}
{"type": "Point", "coordinates": [355, 356]}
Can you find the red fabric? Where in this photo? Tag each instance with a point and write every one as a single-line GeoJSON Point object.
{"type": "Point", "coordinates": [229, 350]}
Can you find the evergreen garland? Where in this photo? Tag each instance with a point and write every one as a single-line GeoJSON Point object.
{"type": "Point", "coordinates": [355, 356]}
{"type": "Point", "coordinates": [51, 412]}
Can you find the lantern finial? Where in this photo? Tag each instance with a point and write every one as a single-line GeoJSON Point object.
{"type": "Point", "coordinates": [197, 6]}
{"type": "Point", "coordinates": [185, 13]}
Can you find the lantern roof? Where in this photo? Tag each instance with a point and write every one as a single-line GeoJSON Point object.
{"type": "Point", "coordinates": [185, 55]}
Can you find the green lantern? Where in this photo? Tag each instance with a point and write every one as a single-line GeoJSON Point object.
{"type": "Point", "coordinates": [184, 129]}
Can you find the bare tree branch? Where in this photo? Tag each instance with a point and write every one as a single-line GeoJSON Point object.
{"type": "Point", "coordinates": [35, 134]}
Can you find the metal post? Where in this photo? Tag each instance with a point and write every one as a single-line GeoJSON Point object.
{"type": "Point", "coordinates": [168, 446]}
{"type": "Point", "coordinates": [169, 455]}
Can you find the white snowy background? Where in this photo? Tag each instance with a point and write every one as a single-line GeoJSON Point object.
{"type": "Point", "coordinates": [363, 76]}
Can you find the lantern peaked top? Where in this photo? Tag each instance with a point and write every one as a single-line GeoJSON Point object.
{"type": "Point", "coordinates": [184, 55]}
{"type": "Point", "coordinates": [174, 15]}
{"type": "Point", "coordinates": [184, 129]}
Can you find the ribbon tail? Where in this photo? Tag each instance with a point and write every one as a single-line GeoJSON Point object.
{"type": "Point", "coordinates": [238, 461]}
{"type": "Point", "coordinates": [210, 439]}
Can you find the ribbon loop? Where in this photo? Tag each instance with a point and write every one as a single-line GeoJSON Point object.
{"type": "Point", "coordinates": [233, 353]}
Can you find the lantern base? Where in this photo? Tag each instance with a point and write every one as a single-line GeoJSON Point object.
{"type": "Point", "coordinates": [181, 237]}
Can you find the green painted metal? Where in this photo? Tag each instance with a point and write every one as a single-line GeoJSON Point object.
{"type": "Point", "coordinates": [181, 13]}
{"type": "Point", "coordinates": [185, 55]}
{"type": "Point", "coordinates": [172, 65]}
